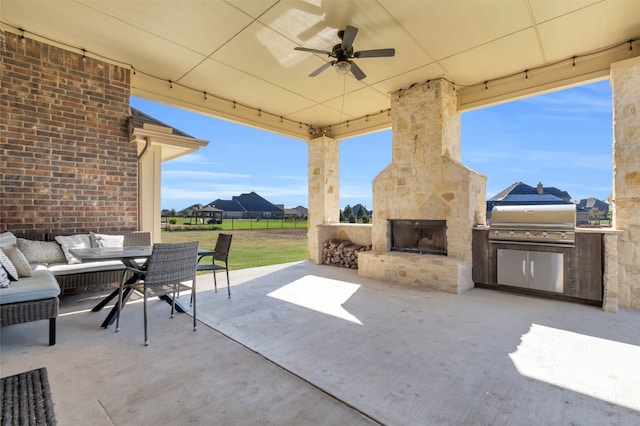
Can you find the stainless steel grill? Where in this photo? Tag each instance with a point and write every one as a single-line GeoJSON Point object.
{"type": "Point", "coordinates": [552, 224]}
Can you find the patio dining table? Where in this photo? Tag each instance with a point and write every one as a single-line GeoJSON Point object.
{"type": "Point", "coordinates": [129, 256]}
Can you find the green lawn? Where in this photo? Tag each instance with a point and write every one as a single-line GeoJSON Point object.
{"type": "Point", "coordinates": [250, 248]}
{"type": "Point", "coordinates": [183, 223]}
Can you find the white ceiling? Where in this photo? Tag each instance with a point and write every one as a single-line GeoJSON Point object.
{"type": "Point", "coordinates": [243, 51]}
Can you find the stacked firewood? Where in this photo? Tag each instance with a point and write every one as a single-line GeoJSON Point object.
{"type": "Point", "coordinates": [342, 253]}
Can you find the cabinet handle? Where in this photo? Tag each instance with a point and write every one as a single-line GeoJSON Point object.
{"type": "Point", "coordinates": [524, 268]}
{"type": "Point", "coordinates": [532, 268]}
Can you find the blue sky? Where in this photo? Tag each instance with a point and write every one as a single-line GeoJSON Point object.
{"type": "Point", "coordinates": [562, 139]}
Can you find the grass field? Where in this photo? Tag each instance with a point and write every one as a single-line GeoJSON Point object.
{"type": "Point", "coordinates": [184, 223]}
{"type": "Point", "coordinates": [251, 248]}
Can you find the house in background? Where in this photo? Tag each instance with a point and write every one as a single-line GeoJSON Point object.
{"type": "Point", "coordinates": [522, 194]}
{"type": "Point", "coordinates": [247, 206]}
{"type": "Point", "coordinates": [299, 212]}
{"type": "Point", "coordinates": [584, 208]}
{"type": "Point", "coordinates": [356, 210]}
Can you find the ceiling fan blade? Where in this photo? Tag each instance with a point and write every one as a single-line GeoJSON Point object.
{"type": "Point", "coordinates": [348, 37]}
{"type": "Point", "coordinates": [322, 68]}
{"type": "Point", "coordinates": [356, 71]}
{"type": "Point", "coordinates": [375, 53]}
{"type": "Point", "coordinates": [305, 49]}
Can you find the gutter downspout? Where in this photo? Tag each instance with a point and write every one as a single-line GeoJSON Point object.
{"type": "Point", "coordinates": [147, 145]}
{"type": "Point", "coordinates": [141, 156]}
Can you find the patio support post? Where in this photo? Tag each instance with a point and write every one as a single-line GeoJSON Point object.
{"type": "Point", "coordinates": [149, 171]}
{"type": "Point", "coordinates": [324, 193]}
{"type": "Point", "coordinates": [625, 84]}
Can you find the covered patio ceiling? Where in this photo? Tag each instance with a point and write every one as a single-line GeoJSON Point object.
{"type": "Point", "coordinates": [235, 59]}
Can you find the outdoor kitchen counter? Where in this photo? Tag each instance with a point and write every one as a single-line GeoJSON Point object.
{"type": "Point", "coordinates": [583, 264]}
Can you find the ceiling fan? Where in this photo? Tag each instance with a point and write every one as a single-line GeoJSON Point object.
{"type": "Point", "coordinates": [343, 53]}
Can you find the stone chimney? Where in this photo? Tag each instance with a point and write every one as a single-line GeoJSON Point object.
{"type": "Point", "coordinates": [540, 188]}
{"type": "Point", "coordinates": [426, 181]}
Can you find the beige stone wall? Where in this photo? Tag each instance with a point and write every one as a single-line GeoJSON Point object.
{"type": "Point", "coordinates": [324, 190]}
{"type": "Point", "coordinates": [426, 181]}
{"type": "Point", "coordinates": [355, 232]}
{"type": "Point", "coordinates": [625, 82]}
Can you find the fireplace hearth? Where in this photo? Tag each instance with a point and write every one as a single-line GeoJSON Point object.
{"type": "Point", "coordinates": [419, 236]}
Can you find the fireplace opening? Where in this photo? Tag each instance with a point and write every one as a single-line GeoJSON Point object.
{"type": "Point", "coordinates": [419, 236]}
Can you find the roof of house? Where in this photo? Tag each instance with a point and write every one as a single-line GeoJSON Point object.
{"type": "Point", "coordinates": [254, 203]}
{"type": "Point", "coordinates": [587, 204]}
{"type": "Point", "coordinates": [356, 209]}
{"type": "Point", "coordinates": [521, 193]}
{"type": "Point", "coordinates": [250, 202]}
{"type": "Point", "coordinates": [227, 205]}
{"type": "Point", "coordinates": [139, 118]}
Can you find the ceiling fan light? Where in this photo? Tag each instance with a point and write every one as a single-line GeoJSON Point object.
{"type": "Point", "coordinates": [343, 67]}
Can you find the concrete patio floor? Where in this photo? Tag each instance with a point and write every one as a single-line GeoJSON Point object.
{"type": "Point", "coordinates": [302, 344]}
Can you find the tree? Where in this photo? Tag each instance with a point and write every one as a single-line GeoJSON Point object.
{"type": "Point", "coordinates": [348, 212]}
{"type": "Point", "coordinates": [596, 214]}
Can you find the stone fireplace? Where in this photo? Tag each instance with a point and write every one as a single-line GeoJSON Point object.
{"type": "Point", "coordinates": [427, 184]}
{"type": "Point", "coordinates": [418, 236]}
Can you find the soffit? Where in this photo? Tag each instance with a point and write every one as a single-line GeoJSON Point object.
{"type": "Point", "coordinates": [218, 52]}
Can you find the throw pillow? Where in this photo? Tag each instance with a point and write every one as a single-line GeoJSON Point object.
{"type": "Point", "coordinates": [19, 261]}
{"type": "Point", "coordinates": [104, 240]}
{"type": "Point", "coordinates": [41, 251]}
{"type": "Point", "coordinates": [71, 242]}
{"type": "Point", "coordinates": [12, 272]}
{"type": "Point", "coordinates": [4, 280]}
{"type": "Point", "coordinates": [7, 239]}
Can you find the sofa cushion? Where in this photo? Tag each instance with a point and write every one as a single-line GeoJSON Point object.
{"type": "Point", "coordinates": [42, 285]}
{"type": "Point", "coordinates": [79, 268]}
{"type": "Point", "coordinates": [71, 242]}
{"type": "Point", "coordinates": [8, 266]}
{"type": "Point", "coordinates": [41, 251]}
{"type": "Point", "coordinates": [7, 239]}
{"type": "Point", "coordinates": [19, 261]}
{"type": "Point", "coordinates": [104, 240]}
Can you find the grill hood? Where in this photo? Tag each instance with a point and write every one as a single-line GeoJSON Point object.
{"type": "Point", "coordinates": [550, 224]}
{"type": "Point", "coordinates": [548, 215]}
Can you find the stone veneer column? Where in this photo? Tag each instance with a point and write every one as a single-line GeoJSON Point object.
{"type": "Point", "coordinates": [625, 82]}
{"type": "Point", "coordinates": [324, 193]}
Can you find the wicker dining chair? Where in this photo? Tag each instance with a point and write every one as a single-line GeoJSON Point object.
{"type": "Point", "coordinates": [166, 272]}
{"type": "Point", "coordinates": [221, 254]}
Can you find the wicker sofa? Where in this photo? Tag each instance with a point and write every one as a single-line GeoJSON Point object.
{"type": "Point", "coordinates": [35, 298]}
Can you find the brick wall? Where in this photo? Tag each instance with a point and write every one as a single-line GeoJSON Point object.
{"type": "Point", "coordinates": [66, 163]}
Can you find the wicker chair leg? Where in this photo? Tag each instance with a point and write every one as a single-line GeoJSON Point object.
{"type": "Point", "coordinates": [215, 283]}
{"type": "Point", "coordinates": [52, 331]}
{"type": "Point", "coordinates": [228, 285]}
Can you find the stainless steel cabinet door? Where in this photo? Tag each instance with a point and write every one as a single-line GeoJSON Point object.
{"type": "Point", "coordinates": [513, 267]}
{"type": "Point", "coordinates": [531, 269]}
{"type": "Point", "coordinates": [546, 271]}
